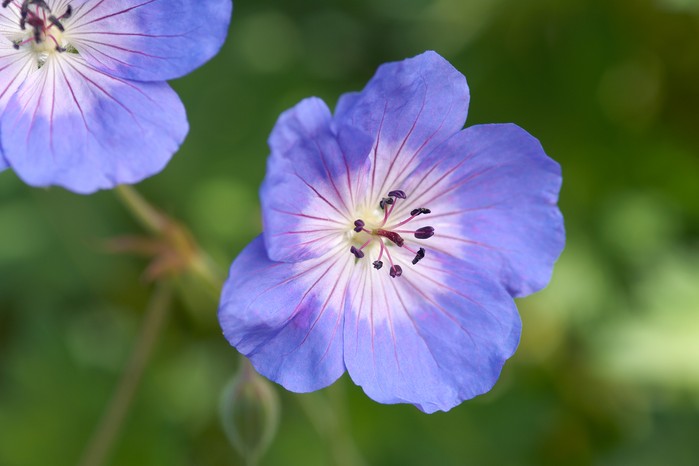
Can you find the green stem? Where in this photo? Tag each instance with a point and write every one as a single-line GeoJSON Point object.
{"type": "Point", "coordinates": [115, 413]}
{"type": "Point", "coordinates": [144, 212]}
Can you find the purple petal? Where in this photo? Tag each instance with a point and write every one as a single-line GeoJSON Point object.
{"type": "Point", "coordinates": [311, 188]}
{"type": "Point", "coordinates": [408, 107]}
{"type": "Point", "coordinates": [434, 337]}
{"type": "Point", "coordinates": [74, 126]}
{"type": "Point", "coordinates": [493, 193]}
{"type": "Point", "coordinates": [15, 66]}
{"type": "Point", "coordinates": [287, 318]}
{"type": "Point", "coordinates": [148, 40]}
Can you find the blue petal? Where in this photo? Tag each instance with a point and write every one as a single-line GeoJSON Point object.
{"type": "Point", "coordinates": [15, 67]}
{"type": "Point", "coordinates": [286, 318]}
{"type": "Point", "coordinates": [148, 40]}
{"type": "Point", "coordinates": [311, 188]}
{"type": "Point", "coordinates": [493, 193]}
{"type": "Point", "coordinates": [434, 337]}
{"type": "Point", "coordinates": [408, 108]}
{"type": "Point", "coordinates": [74, 126]}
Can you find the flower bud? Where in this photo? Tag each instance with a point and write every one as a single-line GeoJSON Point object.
{"type": "Point", "coordinates": [249, 412]}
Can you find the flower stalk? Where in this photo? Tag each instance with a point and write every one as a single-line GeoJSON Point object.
{"type": "Point", "coordinates": [116, 411]}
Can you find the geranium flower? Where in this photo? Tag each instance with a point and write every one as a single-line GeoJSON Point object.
{"type": "Point", "coordinates": [83, 101]}
{"type": "Point", "coordinates": [394, 242]}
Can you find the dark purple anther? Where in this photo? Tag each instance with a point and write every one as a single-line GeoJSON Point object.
{"type": "Point", "coordinates": [358, 225]}
{"type": "Point", "coordinates": [385, 201]}
{"type": "Point", "coordinates": [53, 20]}
{"type": "Point", "coordinates": [420, 210]}
{"type": "Point", "coordinates": [420, 255]}
{"type": "Point", "coordinates": [424, 232]}
{"type": "Point", "coordinates": [377, 264]}
{"type": "Point", "coordinates": [397, 193]}
{"type": "Point", "coordinates": [357, 252]}
{"type": "Point", "coordinates": [396, 271]}
{"type": "Point", "coordinates": [392, 235]}
{"type": "Point", "coordinates": [5, 3]}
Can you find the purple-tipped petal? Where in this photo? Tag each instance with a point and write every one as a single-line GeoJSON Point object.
{"type": "Point", "coordinates": [408, 107]}
{"type": "Point", "coordinates": [433, 337]}
{"type": "Point", "coordinates": [148, 40]}
{"type": "Point", "coordinates": [287, 318]}
{"type": "Point", "coordinates": [493, 194]}
{"type": "Point", "coordinates": [310, 189]}
{"type": "Point", "coordinates": [75, 126]}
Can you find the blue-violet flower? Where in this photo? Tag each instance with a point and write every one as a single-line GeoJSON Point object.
{"type": "Point", "coordinates": [83, 101]}
{"type": "Point", "coordinates": [394, 242]}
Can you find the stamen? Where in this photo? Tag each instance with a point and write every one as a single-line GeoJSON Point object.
{"type": "Point", "coordinates": [385, 201]}
{"type": "Point", "coordinates": [424, 232]}
{"type": "Point", "coordinates": [58, 46]}
{"type": "Point", "coordinates": [419, 256]}
{"type": "Point", "coordinates": [357, 252]}
{"type": "Point", "coordinates": [55, 22]}
{"type": "Point", "coordinates": [377, 264]}
{"type": "Point", "coordinates": [5, 3]}
{"type": "Point", "coordinates": [358, 225]}
{"type": "Point", "coordinates": [395, 270]}
{"type": "Point", "coordinates": [397, 193]}
{"type": "Point", "coordinates": [420, 210]}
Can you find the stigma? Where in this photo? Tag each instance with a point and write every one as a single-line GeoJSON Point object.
{"type": "Point", "coordinates": [389, 234]}
{"type": "Point", "coordinates": [40, 28]}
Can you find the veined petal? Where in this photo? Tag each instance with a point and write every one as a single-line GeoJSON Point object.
{"type": "Point", "coordinates": [15, 67]}
{"type": "Point", "coordinates": [434, 337]}
{"type": "Point", "coordinates": [75, 126]}
{"type": "Point", "coordinates": [493, 194]}
{"type": "Point", "coordinates": [310, 190]}
{"type": "Point", "coordinates": [287, 318]}
{"type": "Point", "coordinates": [409, 108]}
{"type": "Point", "coordinates": [148, 40]}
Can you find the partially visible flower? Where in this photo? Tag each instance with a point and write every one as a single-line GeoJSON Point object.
{"type": "Point", "coordinates": [394, 242]}
{"type": "Point", "coordinates": [83, 101]}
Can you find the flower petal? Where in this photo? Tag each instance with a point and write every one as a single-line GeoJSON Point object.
{"type": "Point", "coordinates": [148, 40]}
{"type": "Point", "coordinates": [493, 193]}
{"type": "Point", "coordinates": [434, 337]}
{"type": "Point", "coordinates": [408, 107]}
{"type": "Point", "coordinates": [287, 318]}
{"type": "Point", "coordinates": [310, 190]}
{"type": "Point", "coordinates": [74, 126]}
{"type": "Point", "coordinates": [15, 66]}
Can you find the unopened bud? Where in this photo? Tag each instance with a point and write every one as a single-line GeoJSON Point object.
{"type": "Point", "coordinates": [249, 412]}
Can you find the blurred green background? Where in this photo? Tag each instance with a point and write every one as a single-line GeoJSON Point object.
{"type": "Point", "coordinates": [608, 369]}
